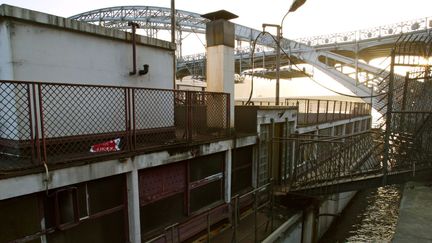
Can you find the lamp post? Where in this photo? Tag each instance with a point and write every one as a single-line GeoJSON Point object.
{"type": "Point", "coordinates": [294, 6]}
{"type": "Point", "coordinates": [173, 40]}
{"type": "Point", "coordinates": [278, 38]}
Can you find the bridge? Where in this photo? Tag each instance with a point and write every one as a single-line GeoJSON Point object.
{"type": "Point", "coordinates": [330, 53]}
{"type": "Point", "coordinates": [398, 150]}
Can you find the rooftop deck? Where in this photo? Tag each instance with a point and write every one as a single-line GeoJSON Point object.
{"type": "Point", "coordinates": [62, 123]}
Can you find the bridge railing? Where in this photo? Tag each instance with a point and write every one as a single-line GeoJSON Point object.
{"type": "Point", "coordinates": [315, 111]}
{"type": "Point", "coordinates": [59, 123]}
{"type": "Point", "coordinates": [332, 159]}
{"type": "Point", "coordinates": [371, 33]}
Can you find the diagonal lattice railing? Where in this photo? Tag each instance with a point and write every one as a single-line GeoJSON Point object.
{"type": "Point", "coordinates": [402, 145]}
{"type": "Point", "coordinates": [342, 158]}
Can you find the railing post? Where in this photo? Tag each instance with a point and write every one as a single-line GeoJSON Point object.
{"type": "Point", "coordinates": [326, 114]}
{"type": "Point", "coordinates": [189, 115]}
{"type": "Point", "coordinates": [208, 226]}
{"type": "Point", "coordinates": [334, 110]}
{"type": "Point", "coordinates": [255, 215]}
{"type": "Point", "coordinates": [127, 119]}
{"type": "Point", "coordinates": [388, 118]}
{"type": "Point", "coordinates": [346, 106]}
{"type": "Point", "coordinates": [30, 120]}
{"type": "Point", "coordinates": [134, 139]}
{"type": "Point", "coordinates": [228, 114]}
{"type": "Point", "coordinates": [36, 128]}
{"type": "Point", "coordinates": [404, 100]}
{"type": "Point", "coordinates": [318, 112]}
{"type": "Point", "coordinates": [41, 115]}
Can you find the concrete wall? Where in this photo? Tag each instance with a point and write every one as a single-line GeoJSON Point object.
{"type": "Point", "coordinates": [36, 46]}
{"type": "Point", "coordinates": [332, 205]}
{"type": "Point", "coordinates": [42, 47]}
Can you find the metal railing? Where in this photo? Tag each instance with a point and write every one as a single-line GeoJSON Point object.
{"type": "Point", "coordinates": [371, 33]}
{"type": "Point", "coordinates": [254, 208]}
{"type": "Point", "coordinates": [58, 123]}
{"type": "Point", "coordinates": [313, 111]}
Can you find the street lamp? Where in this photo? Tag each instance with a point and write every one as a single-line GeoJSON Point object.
{"type": "Point", "coordinates": [294, 6]}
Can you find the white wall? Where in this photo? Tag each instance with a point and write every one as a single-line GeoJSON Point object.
{"type": "Point", "coordinates": [36, 46]}
{"type": "Point", "coordinates": [6, 71]}
{"type": "Point", "coordinates": [45, 53]}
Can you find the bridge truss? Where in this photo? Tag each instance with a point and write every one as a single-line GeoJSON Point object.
{"type": "Point", "coordinates": [330, 53]}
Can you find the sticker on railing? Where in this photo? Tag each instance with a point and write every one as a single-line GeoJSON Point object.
{"type": "Point", "coordinates": [108, 146]}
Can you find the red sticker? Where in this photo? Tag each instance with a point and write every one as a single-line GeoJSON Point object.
{"type": "Point", "coordinates": [109, 146]}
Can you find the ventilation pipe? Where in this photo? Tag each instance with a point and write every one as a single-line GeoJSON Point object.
{"type": "Point", "coordinates": [134, 26]}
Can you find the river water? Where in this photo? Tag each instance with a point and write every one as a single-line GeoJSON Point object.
{"type": "Point", "coordinates": [370, 217]}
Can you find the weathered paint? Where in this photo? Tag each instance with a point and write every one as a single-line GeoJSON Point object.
{"type": "Point", "coordinates": [22, 185]}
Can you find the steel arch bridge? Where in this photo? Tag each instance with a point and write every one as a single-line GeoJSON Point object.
{"type": "Point", "coordinates": [152, 19]}
{"type": "Point", "coordinates": [323, 52]}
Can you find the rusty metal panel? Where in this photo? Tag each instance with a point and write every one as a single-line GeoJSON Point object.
{"type": "Point", "coordinates": [161, 182]}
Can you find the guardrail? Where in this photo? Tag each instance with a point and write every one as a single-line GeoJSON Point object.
{"type": "Point", "coordinates": [58, 123]}
{"type": "Point", "coordinates": [313, 111]}
{"type": "Point", "coordinates": [371, 33]}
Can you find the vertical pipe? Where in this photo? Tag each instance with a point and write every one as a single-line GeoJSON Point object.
{"type": "Point", "coordinates": [134, 26]}
{"type": "Point", "coordinates": [318, 112]}
{"type": "Point", "coordinates": [278, 37]}
{"type": "Point", "coordinates": [307, 112]}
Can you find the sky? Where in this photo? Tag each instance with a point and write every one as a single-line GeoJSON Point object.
{"type": "Point", "coordinates": [315, 17]}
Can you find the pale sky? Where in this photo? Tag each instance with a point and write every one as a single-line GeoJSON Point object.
{"type": "Point", "coordinates": [315, 17]}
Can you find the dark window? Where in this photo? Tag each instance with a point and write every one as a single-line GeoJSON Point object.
{"type": "Point", "coordinates": [205, 195]}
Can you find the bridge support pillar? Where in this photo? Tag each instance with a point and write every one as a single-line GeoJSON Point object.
{"type": "Point", "coordinates": [310, 224]}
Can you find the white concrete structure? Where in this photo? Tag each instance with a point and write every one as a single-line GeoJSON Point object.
{"type": "Point", "coordinates": [38, 46]}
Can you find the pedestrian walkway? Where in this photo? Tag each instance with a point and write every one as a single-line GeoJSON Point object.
{"type": "Point", "coordinates": [415, 214]}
